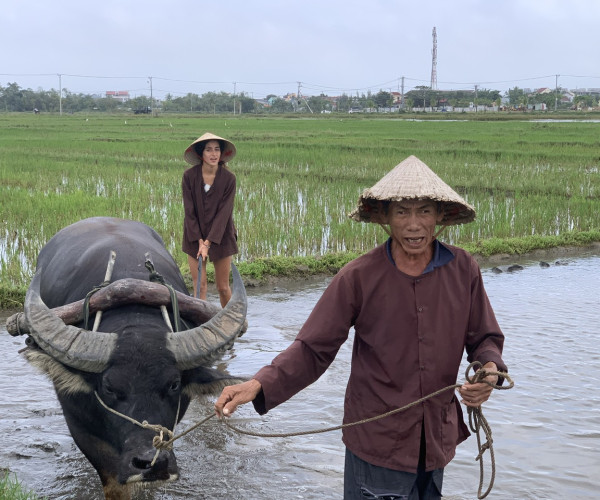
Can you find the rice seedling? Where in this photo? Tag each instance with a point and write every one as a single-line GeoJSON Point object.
{"type": "Point", "coordinates": [297, 178]}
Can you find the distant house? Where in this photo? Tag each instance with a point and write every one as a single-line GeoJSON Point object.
{"type": "Point", "coordinates": [119, 95]}
{"type": "Point", "coordinates": [332, 100]}
{"type": "Point", "coordinates": [396, 97]}
{"type": "Point", "coordinates": [567, 96]}
{"type": "Point", "coordinates": [264, 102]}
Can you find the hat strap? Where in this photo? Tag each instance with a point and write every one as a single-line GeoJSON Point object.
{"type": "Point", "coordinates": [440, 231]}
{"type": "Point", "coordinates": [386, 229]}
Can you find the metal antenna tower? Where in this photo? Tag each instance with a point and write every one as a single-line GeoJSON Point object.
{"type": "Point", "coordinates": [434, 61]}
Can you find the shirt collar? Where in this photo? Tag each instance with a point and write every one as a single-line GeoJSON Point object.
{"type": "Point", "coordinates": [441, 255]}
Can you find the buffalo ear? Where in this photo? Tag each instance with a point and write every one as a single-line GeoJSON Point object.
{"type": "Point", "coordinates": [67, 382]}
{"type": "Point", "coordinates": [204, 381]}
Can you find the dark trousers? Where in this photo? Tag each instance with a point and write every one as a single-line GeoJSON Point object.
{"type": "Point", "coordinates": [363, 481]}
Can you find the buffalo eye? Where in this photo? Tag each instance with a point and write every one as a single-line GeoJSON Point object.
{"type": "Point", "coordinates": [108, 389]}
{"type": "Point", "coordinates": [175, 386]}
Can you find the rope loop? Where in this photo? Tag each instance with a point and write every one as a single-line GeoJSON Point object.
{"type": "Point", "coordinates": [159, 441]}
{"type": "Point", "coordinates": [86, 302]}
{"type": "Point", "coordinates": [481, 374]}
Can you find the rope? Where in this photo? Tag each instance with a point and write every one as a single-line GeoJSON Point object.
{"type": "Point", "coordinates": [157, 441]}
{"type": "Point", "coordinates": [476, 421]}
{"type": "Point", "coordinates": [350, 424]}
{"type": "Point", "coordinates": [86, 302]}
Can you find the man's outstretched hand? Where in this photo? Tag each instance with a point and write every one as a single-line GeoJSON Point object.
{"type": "Point", "coordinates": [236, 395]}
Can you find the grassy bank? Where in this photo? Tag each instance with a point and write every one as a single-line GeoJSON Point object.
{"type": "Point", "coordinates": [532, 183]}
{"type": "Point", "coordinates": [11, 488]}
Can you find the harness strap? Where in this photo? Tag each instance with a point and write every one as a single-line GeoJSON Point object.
{"type": "Point", "coordinates": [86, 302]}
{"type": "Point", "coordinates": [156, 277]}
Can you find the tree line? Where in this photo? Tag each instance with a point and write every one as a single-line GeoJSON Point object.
{"type": "Point", "coordinates": [14, 98]}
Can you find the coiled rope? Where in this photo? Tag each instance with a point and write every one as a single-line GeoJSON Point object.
{"type": "Point", "coordinates": [477, 422]}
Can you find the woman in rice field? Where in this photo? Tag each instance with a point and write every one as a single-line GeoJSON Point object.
{"type": "Point", "coordinates": [208, 199]}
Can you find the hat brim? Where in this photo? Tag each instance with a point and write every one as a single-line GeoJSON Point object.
{"type": "Point", "coordinates": [411, 180]}
{"type": "Point", "coordinates": [193, 158]}
{"type": "Point", "coordinates": [373, 210]}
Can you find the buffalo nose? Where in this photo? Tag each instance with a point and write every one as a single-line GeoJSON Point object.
{"type": "Point", "coordinates": [152, 472]}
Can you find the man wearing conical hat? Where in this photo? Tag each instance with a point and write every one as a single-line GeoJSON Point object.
{"type": "Point", "coordinates": [416, 305]}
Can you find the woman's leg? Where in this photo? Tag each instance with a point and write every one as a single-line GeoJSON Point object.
{"type": "Point", "coordinates": [222, 270]}
{"type": "Point", "coordinates": [193, 263]}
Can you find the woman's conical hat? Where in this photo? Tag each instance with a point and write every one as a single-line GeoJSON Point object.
{"type": "Point", "coordinates": [192, 157]}
{"type": "Point", "coordinates": [411, 180]}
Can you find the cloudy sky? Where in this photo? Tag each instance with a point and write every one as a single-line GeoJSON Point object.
{"type": "Point", "coordinates": [263, 47]}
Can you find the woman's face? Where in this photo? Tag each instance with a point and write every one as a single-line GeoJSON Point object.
{"type": "Point", "coordinates": [211, 154]}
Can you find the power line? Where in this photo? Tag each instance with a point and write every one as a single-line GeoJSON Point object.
{"type": "Point", "coordinates": [316, 87]}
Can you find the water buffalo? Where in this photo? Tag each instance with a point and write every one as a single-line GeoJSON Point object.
{"type": "Point", "coordinates": [134, 363]}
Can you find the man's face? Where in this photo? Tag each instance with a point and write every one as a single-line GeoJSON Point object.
{"type": "Point", "coordinates": [413, 224]}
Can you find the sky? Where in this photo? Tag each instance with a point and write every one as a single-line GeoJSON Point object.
{"type": "Point", "coordinates": [263, 47]}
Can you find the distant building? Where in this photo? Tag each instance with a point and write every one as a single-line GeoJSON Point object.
{"type": "Point", "coordinates": [567, 96]}
{"type": "Point", "coordinates": [119, 95]}
{"type": "Point", "coordinates": [593, 92]}
{"type": "Point", "coordinates": [396, 97]}
{"type": "Point", "coordinates": [264, 102]}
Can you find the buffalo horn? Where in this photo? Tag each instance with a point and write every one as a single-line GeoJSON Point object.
{"type": "Point", "coordinates": [203, 344]}
{"type": "Point", "coordinates": [72, 346]}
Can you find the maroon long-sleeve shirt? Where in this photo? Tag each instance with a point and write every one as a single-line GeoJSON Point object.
{"type": "Point", "coordinates": [410, 333]}
{"type": "Point", "coordinates": [209, 214]}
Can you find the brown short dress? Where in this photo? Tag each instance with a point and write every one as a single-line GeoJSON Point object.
{"type": "Point", "coordinates": [209, 213]}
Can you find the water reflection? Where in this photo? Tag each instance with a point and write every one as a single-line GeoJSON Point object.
{"type": "Point", "coordinates": [546, 431]}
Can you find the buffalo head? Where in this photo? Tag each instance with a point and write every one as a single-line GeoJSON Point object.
{"type": "Point", "coordinates": [135, 366]}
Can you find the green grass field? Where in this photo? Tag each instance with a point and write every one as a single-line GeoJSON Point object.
{"type": "Point", "coordinates": [533, 183]}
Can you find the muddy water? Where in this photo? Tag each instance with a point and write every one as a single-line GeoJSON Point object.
{"type": "Point", "coordinates": [546, 430]}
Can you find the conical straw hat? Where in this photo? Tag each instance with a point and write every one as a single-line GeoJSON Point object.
{"type": "Point", "coordinates": [410, 180]}
{"type": "Point", "coordinates": [192, 157]}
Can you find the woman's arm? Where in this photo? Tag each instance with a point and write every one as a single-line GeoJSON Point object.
{"type": "Point", "coordinates": [190, 221]}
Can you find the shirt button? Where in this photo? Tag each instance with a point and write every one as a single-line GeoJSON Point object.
{"type": "Point", "coordinates": [422, 367]}
{"type": "Point", "coordinates": [420, 309]}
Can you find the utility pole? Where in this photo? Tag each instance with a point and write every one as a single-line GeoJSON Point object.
{"type": "Point", "coordinates": [60, 94]}
{"type": "Point", "coordinates": [234, 84]}
{"type": "Point", "coordinates": [556, 94]}
{"type": "Point", "coordinates": [298, 95]}
{"type": "Point", "coordinates": [402, 95]}
{"type": "Point", "coordinates": [151, 96]}
{"type": "Point", "coordinates": [476, 98]}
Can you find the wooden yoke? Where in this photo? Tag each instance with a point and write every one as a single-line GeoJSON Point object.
{"type": "Point", "coordinates": [120, 293]}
